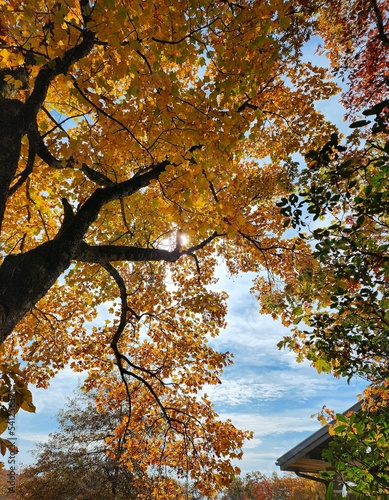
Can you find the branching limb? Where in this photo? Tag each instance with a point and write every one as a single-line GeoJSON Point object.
{"type": "Point", "coordinates": [97, 177]}
{"type": "Point", "coordinates": [47, 74]}
{"type": "Point", "coordinates": [116, 338]}
{"type": "Point", "coordinates": [189, 35]}
{"type": "Point", "coordinates": [109, 253]}
{"type": "Point", "coordinates": [26, 172]}
{"type": "Point", "coordinates": [41, 149]}
{"type": "Point", "coordinates": [67, 219]}
{"type": "Point", "coordinates": [122, 323]}
{"type": "Point", "coordinates": [129, 369]}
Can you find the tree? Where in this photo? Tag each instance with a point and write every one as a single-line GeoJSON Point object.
{"type": "Point", "coordinates": [355, 35]}
{"type": "Point", "coordinates": [359, 451]}
{"type": "Point", "coordinates": [140, 144]}
{"type": "Point", "coordinates": [343, 296]}
{"type": "Point", "coordinates": [4, 483]}
{"type": "Point", "coordinates": [74, 462]}
{"type": "Point", "coordinates": [77, 462]}
{"type": "Point", "coordinates": [256, 486]}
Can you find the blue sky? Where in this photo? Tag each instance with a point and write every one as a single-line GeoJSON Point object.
{"type": "Point", "coordinates": [265, 390]}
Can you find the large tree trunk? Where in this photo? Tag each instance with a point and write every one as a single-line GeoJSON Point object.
{"type": "Point", "coordinates": [26, 278]}
{"type": "Point", "coordinates": [11, 133]}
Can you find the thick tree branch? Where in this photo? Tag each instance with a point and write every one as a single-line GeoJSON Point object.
{"type": "Point", "coordinates": [36, 147]}
{"type": "Point", "coordinates": [111, 253]}
{"type": "Point", "coordinates": [26, 172]}
{"type": "Point", "coordinates": [123, 299]}
{"type": "Point", "coordinates": [90, 210]}
{"type": "Point", "coordinates": [67, 218]}
{"type": "Point", "coordinates": [11, 124]}
{"type": "Point", "coordinates": [97, 177]}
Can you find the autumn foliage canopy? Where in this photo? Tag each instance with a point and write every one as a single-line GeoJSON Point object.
{"type": "Point", "coordinates": [141, 144]}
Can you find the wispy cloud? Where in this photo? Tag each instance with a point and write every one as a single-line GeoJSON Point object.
{"type": "Point", "coordinates": [55, 398]}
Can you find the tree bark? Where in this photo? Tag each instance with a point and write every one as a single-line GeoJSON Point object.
{"type": "Point", "coordinates": [11, 133]}
{"type": "Point", "coordinates": [25, 279]}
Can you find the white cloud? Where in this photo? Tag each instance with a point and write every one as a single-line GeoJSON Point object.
{"type": "Point", "coordinates": [275, 423]}
{"type": "Point", "coordinates": [33, 437]}
{"type": "Point", "coordinates": [271, 386]}
{"type": "Point", "coordinates": [61, 387]}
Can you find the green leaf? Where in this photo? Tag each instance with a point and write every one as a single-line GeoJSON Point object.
{"type": "Point", "coordinates": [340, 428]}
{"type": "Point", "coordinates": [330, 491]}
{"type": "Point", "coordinates": [328, 474]}
{"type": "Point", "coordinates": [341, 418]}
{"type": "Point", "coordinates": [360, 221]}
